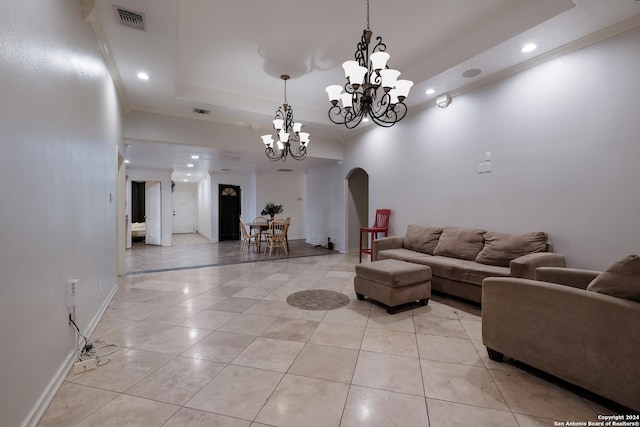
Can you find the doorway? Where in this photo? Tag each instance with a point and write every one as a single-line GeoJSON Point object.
{"type": "Point", "coordinates": [228, 212]}
{"type": "Point", "coordinates": [152, 211]}
{"type": "Point", "coordinates": [183, 212]}
{"type": "Point", "coordinates": [357, 183]}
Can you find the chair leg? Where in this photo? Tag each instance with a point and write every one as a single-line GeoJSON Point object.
{"type": "Point", "coordinates": [373, 234]}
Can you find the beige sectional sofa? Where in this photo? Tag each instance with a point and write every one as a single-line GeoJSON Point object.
{"type": "Point", "coordinates": [460, 258]}
{"type": "Point", "coordinates": [577, 325]}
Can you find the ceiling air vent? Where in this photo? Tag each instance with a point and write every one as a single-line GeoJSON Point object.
{"type": "Point", "coordinates": [201, 111]}
{"type": "Point", "coordinates": [131, 19]}
{"type": "Point", "coordinates": [284, 170]}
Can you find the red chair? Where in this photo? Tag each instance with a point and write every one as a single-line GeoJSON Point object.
{"type": "Point", "coordinates": [381, 226]}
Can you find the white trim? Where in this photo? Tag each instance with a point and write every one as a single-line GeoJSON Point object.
{"type": "Point", "coordinates": [56, 382]}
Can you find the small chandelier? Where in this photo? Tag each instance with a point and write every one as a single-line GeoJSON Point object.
{"type": "Point", "coordinates": [372, 88]}
{"type": "Point", "coordinates": [288, 133]}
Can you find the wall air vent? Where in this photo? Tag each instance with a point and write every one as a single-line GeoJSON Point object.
{"type": "Point", "coordinates": [201, 111]}
{"type": "Point", "coordinates": [225, 170]}
{"type": "Point", "coordinates": [131, 19]}
{"type": "Point", "coordinates": [284, 170]}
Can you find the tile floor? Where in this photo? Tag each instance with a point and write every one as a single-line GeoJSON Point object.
{"type": "Point", "coordinates": [219, 346]}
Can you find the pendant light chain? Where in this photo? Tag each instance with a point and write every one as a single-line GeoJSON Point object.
{"type": "Point", "coordinates": [368, 24]}
{"type": "Point", "coordinates": [285, 91]}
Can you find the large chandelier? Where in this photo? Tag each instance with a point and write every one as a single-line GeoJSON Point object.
{"type": "Point", "coordinates": [288, 133]}
{"type": "Point", "coordinates": [372, 89]}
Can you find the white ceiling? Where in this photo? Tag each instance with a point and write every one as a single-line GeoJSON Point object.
{"type": "Point", "coordinates": [227, 57]}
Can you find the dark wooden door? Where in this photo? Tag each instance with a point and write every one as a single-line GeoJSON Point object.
{"type": "Point", "coordinates": [228, 212]}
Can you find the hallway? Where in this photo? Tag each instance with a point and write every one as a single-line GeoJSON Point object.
{"type": "Point", "coordinates": [193, 250]}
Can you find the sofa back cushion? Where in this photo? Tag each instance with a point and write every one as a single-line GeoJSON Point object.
{"type": "Point", "coordinates": [501, 248]}
{"type": "Point", "coordinates": [461, 243]}
{"type": "Point", "coordinates": [621, 280]}
{"type": "Point", "coordinates": [421, 239]}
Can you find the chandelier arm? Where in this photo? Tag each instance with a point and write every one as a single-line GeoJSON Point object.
{"type": "Point", "coordinates": [362, 49]}
{"type": "Point", "coordinates": [379, 46]}
{"type": "Point", "coordinates": [299, 154]}
{"type": "Point", "coordinates": [272, 154]}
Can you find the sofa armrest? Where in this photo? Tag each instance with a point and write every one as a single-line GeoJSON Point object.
{"type": "Point", "coordinates": [525, 266]}
{"type": "Point", "coordinates": [391, 242]}
{"type": "Point", "coordinates": [580, 336]}
{"type": "Point", "coordinates": [573, 277]}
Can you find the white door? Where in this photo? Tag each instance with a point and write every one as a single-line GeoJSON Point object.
{"type": "Point", "coordinates": [183, 212]}
{"type": "Point", "coordinates": [152, 212]}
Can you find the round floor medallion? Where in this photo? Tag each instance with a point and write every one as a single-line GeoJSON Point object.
{"type": "Point", "coordinates": [317, 299]}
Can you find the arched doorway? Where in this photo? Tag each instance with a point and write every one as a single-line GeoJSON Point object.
{"type": "Point", "coordinates": [357, 182]}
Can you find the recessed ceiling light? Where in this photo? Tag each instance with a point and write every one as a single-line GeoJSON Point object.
{"type": "Point", "coordinates": [366, 119]}
{"type": "Point", "coordinates": [529, 47]}
{"type": "Point", "coordinates": [188, 174]}
{"type": "Point", "coordinates": [126, 161]}
{"type": "Point", "coordinates": [185, 180]}
{"type": "Point", "coordinates": [143, 76]}
{"type": "Point", "coordinates": [189, 165]}
{"type": "Point", "coordinates": [472, 72]}
{"type": "Point", "coordinates": [430, 91]}
{"type": "Point", "coordinates": [195, 157]}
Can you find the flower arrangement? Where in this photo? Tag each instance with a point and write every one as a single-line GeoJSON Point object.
{"type": "Point", "coordinates": [271, 209]}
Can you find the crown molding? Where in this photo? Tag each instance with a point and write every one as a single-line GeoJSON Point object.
{"type": "Point", "coordinates": [105, 49]}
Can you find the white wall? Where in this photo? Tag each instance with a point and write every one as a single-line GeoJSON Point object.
{"type": "Point", "coordinates": [289, 190]}
{"type": "Point", "coordinates": [163, 176]}
{"type": "Point", "coordinates": [325, 206]}
{"type": "Point", "coordinates": [61, 128]}
{"type": "Point", "coordinates": [565, 142]}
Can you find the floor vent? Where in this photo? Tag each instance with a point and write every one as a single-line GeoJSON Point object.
{"type": "Point", "coordinates": [201, 111]}
{"type": "Point", "coordinates": [131, 19]}
{"type": "Point", "coordinates": [284, 170]}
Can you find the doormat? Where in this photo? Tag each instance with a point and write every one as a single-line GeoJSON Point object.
{"type": "Point", "coordinates": [317, 299]}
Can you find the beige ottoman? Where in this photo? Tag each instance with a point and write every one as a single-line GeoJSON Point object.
{"type": "Point", "coordinates": [393, 282]}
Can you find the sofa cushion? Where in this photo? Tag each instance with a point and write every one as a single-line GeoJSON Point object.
{"type": "Point", "coordinates": [421, 239]}
{"type": "Point", "coordinates": [399, 254]}
{"type": "Point", "coordinates": [621, 280]}
{"type": "Point", "coordinates": [501, 248]}
{"type": "Point", "coordinates": [461, 270]}
{"type": "Point", "coordinates": [462, 243]}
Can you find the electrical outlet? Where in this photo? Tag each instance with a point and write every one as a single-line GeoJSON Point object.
{"type": "Point", "coordinates": [72, 298]}
{"type": "Point", "coordinates": [84, 365]}
{"type": "Point", "coordinates": [72, 292]}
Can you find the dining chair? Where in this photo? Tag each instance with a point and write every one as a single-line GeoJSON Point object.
{"type": "Point", "coordinates": [287, 223]}
{"type": "Point", "coordinates": [380, 226]}
{"type": "Point", "coordinates": [248, 239]}
{"type": "Point", "coordinates": [262, 231]}
{"type": "Point", "coordinates": [276, 236]}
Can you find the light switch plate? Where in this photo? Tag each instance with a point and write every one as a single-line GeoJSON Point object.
{"type": "Point", "coordinates": [480, 167]}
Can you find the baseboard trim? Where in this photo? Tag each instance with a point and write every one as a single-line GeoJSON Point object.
{"type": "Point", "coordinates": [56, 382]}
